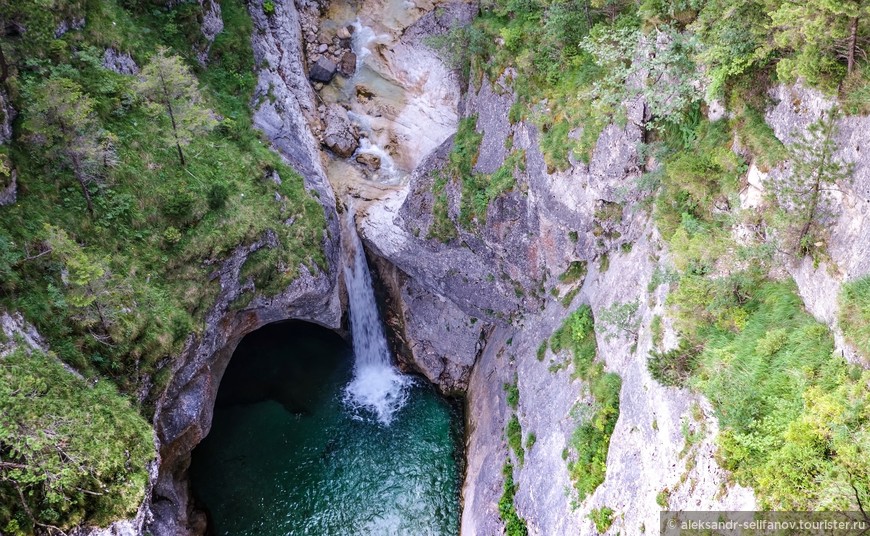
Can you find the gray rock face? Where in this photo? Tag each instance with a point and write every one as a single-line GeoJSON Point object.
{"type": "Point", "coordinates": [7, 115]}
{"type": "Point", "coordinates": [436, 337]}
{"type": "Point", "coordinates": [531, 235]}
{"type": "Point", "coordinates": [796, 108]}
{"type": "Point", "coordinates": [339, 135]}
{"type": "Point", "coordinates": [211, 25]}
{"type": "Point", "coordinates": [68, 25]}
{"type": "Point", "coordinates": [283, 100]}
{"type": "Point", "coordinates": [323, 69]}
{"type": "Point", "coordinates": [8, 188]}
{"type": "Point", "coordinates": [120, 62]}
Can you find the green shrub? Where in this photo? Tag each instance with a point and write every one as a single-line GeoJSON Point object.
{"type": "Point", "coordinates": [514, 435]}
{"type": "Point", "coordinates": [542, 350]}
{"type": "Point", "coordinates": [514, 525]}
{"type": "Point", "coordinates": [795, 418]}
{"type": "Point", "coordinates": [590, 442]}
{"type": "Point", "coordinates": [74, 451]}
{"type": "Point", "coordinates": [268, 8]}
{"type": "Point", "coordinates": [576, 271]}
{"type": "Point", "coordinates": [218, 195]}
{"type": "Point", "coordinates": [657, 329]}
{"type": "Point", "coordinates": [602, 517]}
{"type": "Point", "coordinates": [513, 394]}
{"type": "Point", "coordinates": [855, 314]}
{"type": "Point", "coordinates": [674, 367]}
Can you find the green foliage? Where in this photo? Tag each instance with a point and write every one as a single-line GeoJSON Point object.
{"type": "Point", "coordinates": [542, 349]}
{"type": "Point", "coordinates": [757, 136]}
{"type": "Point", "coordinates": [576, 271]}
{"type": "Point", "coordinates": [855, 92]}
{"type": "Point", "coordinates": [477, 190]}
{"type": "Point", "coordinates": [169, 87]}
{"type": "Point", "coordinates": [531, 439]}
{"type": "Point", "coordinates": [590, 441]}
{"type": "Point", "coordinates": [442, 227]}
{"type": "Point", "coordinates": [663, 498]}
{"type": "Point", "coordinates": [674, 367]}
{"type": "Point", "coordinates": [73, 451]}
{"type": "Point", "coordinates": [813, 33]}
{"type": "Point", "coordinates": [855, 314]}
{"type": "Point", "coordinates": [61, 118]}
{"type": "Point", "coordinates": [513, 394]}
{"type": "Point", "coordinates": [734, 37]}
{"type": "Point", "coordinates": [602, 517]}
{"type": "Point", "coordinates": [803, 196]}
{"type": "Point", "coordinates": [795, 417]}
{"type": "Point", "coordinates": [656, 327]}
{"type": "Point", "coordinates": [514, 525]}
{"type": "Point", "coordinates": [696, 181]}
{"type": "Point", "coordinates": [269, 8]}
{"type": "Point", "coordinates": [514, 433]}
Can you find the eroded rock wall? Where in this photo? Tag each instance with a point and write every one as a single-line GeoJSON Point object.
{"type": "Point", "coordinates": [506, 272]}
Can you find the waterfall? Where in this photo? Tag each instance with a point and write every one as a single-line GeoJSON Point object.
{"type": "Point", "coordinates": [377, 386]}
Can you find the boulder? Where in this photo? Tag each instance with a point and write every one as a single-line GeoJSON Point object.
{"type": "Point", "coordinates": [371, 161]}
{"type": "Point", "coordinates": [340, 135]}
{"type": "Point", "coordinates": [347, 64]}
{"type": "Point", "coordinates": [323, 70]}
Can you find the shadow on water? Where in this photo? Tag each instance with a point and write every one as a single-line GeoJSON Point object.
{"type": "Point", "coordinates": [286, 457]}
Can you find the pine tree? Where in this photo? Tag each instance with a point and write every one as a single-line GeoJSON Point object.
{"type": "Point", "coordinates": [87, 280]}
{"type": "Point", "coordinates": [167, 84]}
{"type": "Point", "coordinates": [804, 194]}
{"type": "Point", "coordinates": [60, 117]}
{"type": "Point", "coordinates": [823, 34]}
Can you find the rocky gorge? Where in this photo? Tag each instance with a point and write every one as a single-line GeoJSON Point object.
{"type": "Point", "coordinates": [357, 99]}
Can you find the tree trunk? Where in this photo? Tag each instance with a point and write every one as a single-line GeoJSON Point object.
{"type": "Point", "coordinates": [77, 171]}
{"type": "Point", "coordinates": [853, 44]}
{"type": "Point", "coordinates": [172, 119]}
{"type": "Point", "coordinates": [814, 204]}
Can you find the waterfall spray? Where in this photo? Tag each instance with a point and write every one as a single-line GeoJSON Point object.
{"type": "Point", "coordinates": [376, 385]}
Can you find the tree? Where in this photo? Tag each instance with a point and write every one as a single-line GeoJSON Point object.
{"type": "Point", "coordinates": [822, 34]}
{"type": "Point", "coordinates": [804, 194]}
{"type": "Point", "coordinates": [60, 117]}
{"type": "Point", "coordinates": [87, 279]}
{"type": "Point", "coordinates": [167, 84]}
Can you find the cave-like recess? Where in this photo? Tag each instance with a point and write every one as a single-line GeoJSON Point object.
{"type": "Point", "coordinates": [286, 456]}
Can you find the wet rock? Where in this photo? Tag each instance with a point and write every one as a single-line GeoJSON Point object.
{"type": "Point", "coordinates": [347, 65]}
{"type": "Point", "coordinates": [343, 33]}
{"type": "Point", "coordinates": [323, 48]}
{"type": "Point", "coordinates": [340, 136]}
{"type": "Point", "coordinates": [120, 62]}
{"type": "Point", "coordinates": [371, 161]}
{"type": "Point", "coordinates": [323, 70]}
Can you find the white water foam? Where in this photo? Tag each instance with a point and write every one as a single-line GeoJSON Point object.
{"type": "Point", "coordinates": [387, 172]}
{"type": "Point", "coordinates": [361, 41]}
{"type": "Point", "coordinates": [377, 387]}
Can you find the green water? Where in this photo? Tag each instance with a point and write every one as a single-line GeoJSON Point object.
{"type": "Point", "coordinates": [284, 456]}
